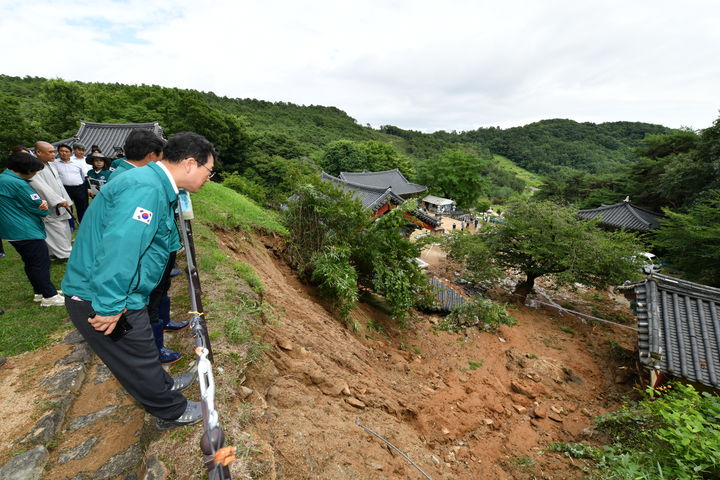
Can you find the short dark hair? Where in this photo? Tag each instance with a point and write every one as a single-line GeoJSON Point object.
{"type": "Point", "coordinates": [24, 163]}
{"type": "Point", "coordinates": [142, 142]}
{"type": "Point", "coordinates": [64, 145]}
{"type": "Point", "coordinates": [19, 148]}
{"type": "Point", "coordinates": [189, 144]}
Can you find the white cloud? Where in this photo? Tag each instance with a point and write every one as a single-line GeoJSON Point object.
{"type": "Point", "coordinates": [423, 65]}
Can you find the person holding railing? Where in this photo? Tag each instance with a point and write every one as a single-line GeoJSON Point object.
{"type": "Point", "coordinates": [107, 289]}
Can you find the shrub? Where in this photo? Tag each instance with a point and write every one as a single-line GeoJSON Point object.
{"type": "Point", "coordinates": [672, 433]}
{"type": "Point", "coordinates": [246, 187]}
{"type": "Point", "coordinates": [481, 313]}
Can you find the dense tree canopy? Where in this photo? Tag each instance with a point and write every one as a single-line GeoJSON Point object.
{"type": "Point", "coordinates": [456, 174]}
{"type": "Point", "coordinates": [544, 239]}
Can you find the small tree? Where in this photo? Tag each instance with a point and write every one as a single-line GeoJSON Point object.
{"type": "Point", "coordinates": [543, 238]}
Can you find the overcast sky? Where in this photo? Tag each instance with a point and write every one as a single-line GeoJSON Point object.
{"type": "Point", "coordinates": [422, 65]}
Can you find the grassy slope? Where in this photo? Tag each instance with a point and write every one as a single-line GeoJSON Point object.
{"type": "Point", "coordinates": [531, 179]}
{"type": "Point", "coordinates": [26, 326]}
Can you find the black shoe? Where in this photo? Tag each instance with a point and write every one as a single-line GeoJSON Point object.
{"type": "Point", "coordinates": [173, 326]}
{"type": "Point", "coordinates": [175, 272]}
{"type": "Point", "coordinates": [191, 416]}
{"type": "Point", "coordinates": [168, 357]}
{"type": "Point", "coordinates": [182, 382]}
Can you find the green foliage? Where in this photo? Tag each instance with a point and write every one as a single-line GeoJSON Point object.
{"type": "Point", "coordinates": [481, 312]}
{"type": "Point", "coordinates": [690, 241]}
{"type": "Point", "coordinates": [333, 233]}
{"type": "Point", "coordinates": [63, 104]}
{"type": "Point", "coordinates": [278, 176]}
{"type": "Point", "coordinates": [674, 434]}
{"type": "Point", "coordinates": [336, 278]}
{"type": "Point", "coordinates": [543, 238]}
{"type": "Point", "coordinates": [456, 174]}
{"type": "Point", "coordinates": [371, 155]}
{"type": "Point", "coordinates": [469, 250]}
{"type": "Point", "coordinates": [245, 187]}
{"type": "Point", "coordinates": [574, 450]}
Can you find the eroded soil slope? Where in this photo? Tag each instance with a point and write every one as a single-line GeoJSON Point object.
{"type": "Point", "coordinates": [472, 406]}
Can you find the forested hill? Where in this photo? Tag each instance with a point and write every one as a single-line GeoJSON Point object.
{"type": "Point", "coordinates": [39, 108]}
{"type": "Point", "coordinates": [540, 146]}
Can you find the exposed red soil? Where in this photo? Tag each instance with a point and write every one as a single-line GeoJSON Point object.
{"type": "Point", "coordinates": [473, 406]}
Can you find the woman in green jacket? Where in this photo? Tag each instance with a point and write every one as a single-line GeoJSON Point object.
{"type": "Point", "coordinates": [21, 224]}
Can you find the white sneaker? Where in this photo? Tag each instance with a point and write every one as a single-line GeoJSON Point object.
{"type": "Point", "coordinates": [38, 296]}
{"type": "Point", "coordinates": [56, 301]}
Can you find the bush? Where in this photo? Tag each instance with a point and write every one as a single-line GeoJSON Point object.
{"type": "Point", "coordinates": [673, 434]}
{"type": "Point", "coordinates": [481, 313]}
{"type": "Point", "coordinates": [246, 187]}
{"type": "Point", "coordinates": [336, 278]}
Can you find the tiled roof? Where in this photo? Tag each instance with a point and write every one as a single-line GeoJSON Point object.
{"type": "Point", "coordinates": [371, 197]}
{"type": "Point", "coordinates": [386, 179]}
{"type": "Point", "coordinates": [624, 215]}
{"type": "Point", "coordinates": [679, 323]}
{"type": "Point", "coordinates": [108, 135]}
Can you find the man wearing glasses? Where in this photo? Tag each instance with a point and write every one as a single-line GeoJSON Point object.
{"type": "Point", "coordinates": [120, 254]}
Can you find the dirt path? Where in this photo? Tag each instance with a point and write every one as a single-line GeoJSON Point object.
{"type": "Point", "coordinates": [462, 407]}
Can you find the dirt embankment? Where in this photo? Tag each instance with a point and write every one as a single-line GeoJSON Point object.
{"type": "Point", "coordinates": [473, 406]}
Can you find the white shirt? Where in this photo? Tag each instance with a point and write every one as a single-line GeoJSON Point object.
{"type": "Point", "coordinates": [71, 174]}
{"type": "Point", "coordinates": [81, 161]}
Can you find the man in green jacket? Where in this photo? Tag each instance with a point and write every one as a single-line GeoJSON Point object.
{"type": "Point", "coordinates": [118, 258]}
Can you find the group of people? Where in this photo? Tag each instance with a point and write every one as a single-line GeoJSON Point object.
{"type": "Point", "coordinates": [119, 268]}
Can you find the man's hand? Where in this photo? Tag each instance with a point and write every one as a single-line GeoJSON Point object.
{"type": "Point", "coordinates": [43, 205]}
{"type": "Point", "coordinates": [63, 204]}
{"type": "Point", "coordinates": [105, 324]}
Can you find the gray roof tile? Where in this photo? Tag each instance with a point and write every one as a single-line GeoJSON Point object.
{"type": "Point", "coordinates": [679, 328]}
{"type": "Point", "coordinates": [624, 215]}
{"type": "Point", "coordinates": [108, 135]}
{"type": "Point", "coordinates": [386, 179]}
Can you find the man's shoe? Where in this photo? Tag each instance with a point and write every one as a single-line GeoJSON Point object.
{"type": "Point", "coordinates": [56, 301]}
{"type": "Point", "coordinates": [173, 326]}
{"type": "Point", "coordinates": [168, 357]}
{"type": "Point", "coordinates": [192, 415]}
{"type": "Point", "coordinates": [175, 272]}
{"type": "Point", "coordinates": [182, 382]}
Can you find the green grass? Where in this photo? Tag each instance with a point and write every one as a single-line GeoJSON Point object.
{"type": "Point", "coordinates": [25, 325]}
{"type": "Point", "coordinates": [221, 207]}
{"type": "Point", "coordinates": [531, 179]}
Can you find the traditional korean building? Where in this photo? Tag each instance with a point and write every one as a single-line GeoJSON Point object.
{"type": "Point", "coordinates": [438, 205]}
{"type": "Point", "coordinates": [623, 215]}
{"type": "Point", "coordinates": [393, 179]}
{"type": "Point", "coordinates": [679, 329]}
{"type": "Point", "coordinates": [379, 200]}
{"type": "Point", "coordinates": [108, 136]}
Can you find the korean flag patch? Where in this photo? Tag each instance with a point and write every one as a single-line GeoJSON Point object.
{"type": "Point", "coordinates": [35, 196]}
{"type": "Point", "coordinates": [142, 215]}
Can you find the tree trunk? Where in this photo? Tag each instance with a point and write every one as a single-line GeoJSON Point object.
{"type": "Point", "coordinates": [523, 289]}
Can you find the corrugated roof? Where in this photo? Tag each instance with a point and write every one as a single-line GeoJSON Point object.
{"type": "Point", "coordinates": [679, 323]}
{"type": "Point", "coordinates": [386, 179]}
{"type": "Point", "coordinates": [108, 135]}
{"type": "Point", "coordinates": [624, 215]}
{"type": "Point", "coordinates": [438, 200]}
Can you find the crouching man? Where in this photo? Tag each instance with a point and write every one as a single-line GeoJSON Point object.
{"type": "Point", "coordinates": [118, 258]}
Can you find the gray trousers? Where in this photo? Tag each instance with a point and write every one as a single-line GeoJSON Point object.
{"type": "Point", "coordinates": [59, 238]}
{"type": "Point", "coordinates": [133, 359]}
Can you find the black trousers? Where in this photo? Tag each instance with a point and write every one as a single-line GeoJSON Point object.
{"type": "Point", "coordinates": [133, 359]}
{"type": "Point", "coordinates": [35, 257]}
{"type": "Point", "coordinates": [161, 290]}
{"type": "Point", "coordinates": [79, 196]}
